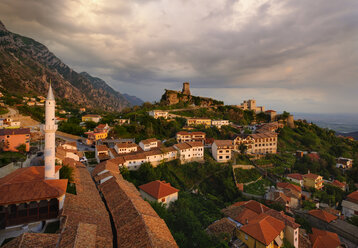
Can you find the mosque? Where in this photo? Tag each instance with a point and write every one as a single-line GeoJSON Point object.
{"type": "Point", "coordinates": [32, 196]}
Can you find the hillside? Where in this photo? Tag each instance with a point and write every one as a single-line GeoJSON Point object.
{"type": "Point", "coordinates": [27, 65]}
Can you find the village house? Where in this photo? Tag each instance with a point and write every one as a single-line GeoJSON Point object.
{"type": "Point", "coordinates": [221, 150]}
{"type": "Point", "coordinates": [268, 127]}
{"type": "Point", "coordinates": [158, 114]}
{"type": "Point", "coordinates": [30, 103]}
{"type": "Point", "coordinates": [190, 151]}
{"type": "Point", "coordinates": [289, 195]}
{"type": "Point", "coordinates": [198, 121]}
{"type": "Point", "coordinates": [123, 148]}
{"type": "Point", "coordinates": [159, 191]}
{"type": "Point", "coordinates": [219, 123]}
{"type": "Point", "coordinates": [148, 144]}
{"type": "Point", "coordinates": [258, 143]}
{"type": "Point", "coordinates": [254, 227]}
{"type": "Point", "coordinates": [91, 117]}
{"type": "Point", "coordinates": [324, 239]}
{"type": "Point", "coordinates": [338, 184]}
{"type": "Point", "coordinates": [11, 139]}
{"type": "Point", "coordinates": [184, 136]}
{"type": "Point", "coordinates": [102, 128]}
{"type": "Point", "coordinates": [102, 153]}
{"type": "Point", "coordinates": [344, 163]}
{"type": "Point", "coordinates": [92, 137]}
{"type": "Point", "coordinates": [350, 205]}
{"type": "Point", "coordinates": [272, 114]}
{"type": "Point", "coordinates": [251, 105]}
{"type": "Point", "coordinates": [296, 178]}
{"type": "Point", "coordinates": [311, 180]}
{"type": "Point", "coordinates": [322, 215]}
{"type": "Point", "coordinates": [9, 123]}
{"type": "Point", "coordinates": [169, 153]}
{"type": "Point", "coordinates": [60, 119]}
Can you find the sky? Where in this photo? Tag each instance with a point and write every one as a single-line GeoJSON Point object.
{"type": "Point", "coordinates": [294, 55]}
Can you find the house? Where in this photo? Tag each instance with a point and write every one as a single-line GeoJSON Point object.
{"type": "Point", "coordinates": [91, 117]}
{"type": "Point", "coordinates": [350, 205]}
{"type": "Point", "coordinates": [11, 139]}
{"type": "Point", "coordinates": [344, 163]}
{"type": "Point", "coordinates": [123, 148]}
{"type": "Point", "coordinates": [60, 119]}
{"type": "Point", "coordinates": [63, 153]}
{"type": "Point", "coordinates": [262, 231]}
{"type": "Point", "coordinates": [250, 212]}
{"type": "Point", "coordinates": [184, 136]}
{"type": "Point", "coordinates": [148, 144]}
{"type": "Point", "coordinates": [94, 136]}
{"type": "Point", "coordinates": [272, 114]}
{"type": "Point", "coordinates": [258, 143]}
{"type": "Point", "coordinates": [322, 215]}
{"type": "Point", "coordinates": [289, 195]}
{"type": "Point", "coordinates": [311, 180]}
{"type": "Point", "coordinates": [158, 114]}
{"type": "Point", "coordinates": [102, 128]}
{"type": "Point", "coordinates": [30, 103]}
{"type": "Point", "coordinates": [82, 110]}
{"type": "Point", "coordinates": [324, 239]}
{"type": "Point", "coordinates": [198, 121]}
{"type": "Point", "coordinates": [268, 127]}
{"type": "Point", "coordinates": [190, 151]}
{"type": "Point", "coordinates": [70, 145]}
{"type": "Point", "coordinates": [169, 153]}
{"type": "Point", "coordinates": [221, 150]}
{"type": "Point", "coordinates": [296, 178]}
{"type": "Point", "coordinates": [159, 191]}
{"type": "Point", "coordinates": [101, 153]}
{"type": "Point", "coordinates": [222, 226]}
{"type": "Point", "coordinates": [219, 123]}
{"type": "Point", "coordinates": [251, 105]}
{"type": "Point", "coordinates": [338, 184]}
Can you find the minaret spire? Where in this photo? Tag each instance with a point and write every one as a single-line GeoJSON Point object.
{"type": "Point", "coordinates": [50, 135]}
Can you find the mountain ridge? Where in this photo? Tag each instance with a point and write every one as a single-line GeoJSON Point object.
{"type": "Point", "coordinates": [27, 66]}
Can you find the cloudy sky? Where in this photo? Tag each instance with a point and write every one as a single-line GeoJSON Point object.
{"type": "Point", "coordinates": [298, 55]}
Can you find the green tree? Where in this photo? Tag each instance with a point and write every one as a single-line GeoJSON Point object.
{"type": "Point", "coordinates": [21, 148]}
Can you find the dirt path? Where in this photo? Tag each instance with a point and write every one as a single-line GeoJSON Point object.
{"type": "Point", "coordinates": [26, 121]}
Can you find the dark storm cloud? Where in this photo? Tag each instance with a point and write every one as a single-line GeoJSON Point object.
{"type": "Point", "coordinates": [264, 47]}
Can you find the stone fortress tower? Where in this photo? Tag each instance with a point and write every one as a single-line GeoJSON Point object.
{"type": "Point", "coordinates": [186, 89]}
{"type": "Point", "coordinates": [50, 135]}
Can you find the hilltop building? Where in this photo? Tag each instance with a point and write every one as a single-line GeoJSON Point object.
{"type": "Point", "coordinates": [219, 123]}
{"type": "Point", "coordinates": [258, 143]}
{"type": "Point", "coordinates": [149, 144]}
{"type": "Point", "coordinates": [190, 151]}
{"type": "Point", "coordinates": [184, 136]}
{"type": "Point", "coordinates": [221, 150]}
{"type": "Point", "coordinates": [251, 105]}
{"type": "Point", "coordinates": [92, 117]}
{"type": "Point", "coordinates": [344, 163]}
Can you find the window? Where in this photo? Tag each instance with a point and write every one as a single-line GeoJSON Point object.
{"type": "Point", "coordinates": [220, 157]}
{"type": "Point", "coordinates": [246, 237]}
{"type": "Point", "coordinates": [227, 156]}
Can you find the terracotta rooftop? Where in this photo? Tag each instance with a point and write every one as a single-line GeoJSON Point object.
{"type": "Point", "coordinates": [148, 141]}
{"type": "Point", "coordinates": [126, 145]}
{"type": "Point", "coordinates": [15, 131]}
{"type": "Point", "coordinates": [136, 223]}
{"type": "Point", "coordinates": [338, 184]}
{"type": "Point", "coordinates": [245, 216]}
{"type": "Point", "coordinates": [167, 149]}
{"type": "Point", "coordinates": [33, 240]}
{"type": "Point", "coordinates": [101, 148]}
{"type": "Point", "coordinates": [324, 239]}
{"type": "Point", "coordinates": [158, 189]}
{"type": "Point", "coordinates": [288, 220]}
{"type": "Point", "coordinates": [311, 176]}
{"type": "Point", "coordinates": [253, 205]}
{"type": "Point", "coordinates": [322, 215]}
{"type": "Point", "coordinates": [290, 186]}
{"type": "Point", "coordinates": [296, 176]}
{"type": "Point", "coordinates": [106, 165]}
{"type": "Point", "coordinates": [195, 144]}
{"type": "Point", "coordinates": [182, 146]}
{"type": "Point", "coordinates": [264, 228]}
{"type": "Point", "coordinates": [27, 174]}
{"type": "Point", "coordinates": [85, 207]}
{"type": "Point", "coordinates": [183, 133]}
{"type": "Point", "coordinates": [224, 143]}
{"type": "Point", "coordinates": [223, 225]}
{"type": "Point", "coordinates": [353, 197]}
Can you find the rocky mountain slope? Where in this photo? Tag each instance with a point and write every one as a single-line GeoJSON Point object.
{"type": "Point", "coordinates": [26, 66]}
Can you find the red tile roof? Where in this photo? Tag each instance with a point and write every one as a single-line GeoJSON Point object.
{"type": "Point", "coordinates": [195, 144]}
{"type": "Point", "coordinates": [338, 184]}
{"type": "Point", "coordinates": [322, 215]}
{"type": "Point", "coordinates": [296, 176]}
{"type": "Point", "coordinates": [288, 220]}
{"type": "Point", "coordinates": [253, 205]}
{"type": "Point", "coordinates": [224, 143]}
{"type": "Point", "coordinates": [353, 197]}
{"type": "Point", "coordinates": [126, 145]}
{"type": "Point", "coordinates": [101, 148]}
{"type": "Point", "coordinates": [245, 216]}
{"type": "Point", "coordinates": [311, 176]}
{"type": "Point", "coordinates": [106, 165]}
{"type": "Point", "coordinates": [158, 189]}
{"type": "Point", "coordinates": [15, 131]}
{"type": "Point", "coordinates": [290, 186]}
{"type": "Point", "coordinates": [264, 228]}
{"type": "Point", "coordinates": [148, 141]}
{"type": "Point", "coordinates": [324, 239]}
{"type": "Point", "coordinates": [182, 146]}
{"type": "Point", "coordinates": [27, 174]}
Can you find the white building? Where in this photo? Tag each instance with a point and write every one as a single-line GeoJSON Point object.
{"type": "Point", "coordinates": [123, 148]}
{"type": "Point", "coordinates": [296, 178]}
{"type": "Point", "coordinates": [149, 144]}
{"type": "Point", "coordinates": [344, 163]}
{"type": "Point", "coordinates": [221, 150]}
{"type": "Point", "coordinates": [190, 151]}
{"type": "Point", "coordinates": [158, 114]}
{"type": "Point", "coordinates": [350, 205]}
{"type": "Point", "coordinates": [184, 136]}
{"type": "Point", "coordinates": [102, 153]}
{"type": "Point", "coordinates": [219, 123]}
{"type": "Point", "coordinates": [159, 191]}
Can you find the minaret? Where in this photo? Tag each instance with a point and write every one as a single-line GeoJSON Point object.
{"type": "Point", "coordinates": [50, 135]}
